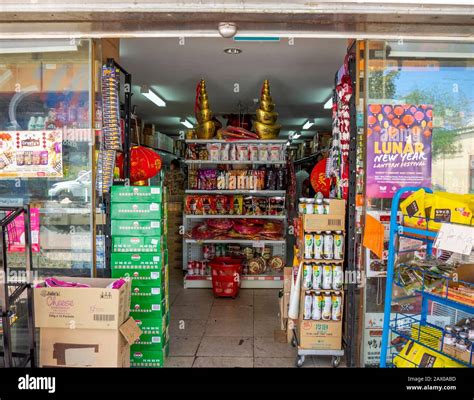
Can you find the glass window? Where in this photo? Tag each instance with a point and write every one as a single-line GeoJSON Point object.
{"type": "Point", "coordinates": [46, 144]}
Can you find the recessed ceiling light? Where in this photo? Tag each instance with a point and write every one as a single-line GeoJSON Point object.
{"type": "Point", "coordinates": [232, 50]}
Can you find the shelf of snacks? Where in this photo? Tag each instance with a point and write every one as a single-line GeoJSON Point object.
{"type": "Point", "coordinates": [197, 216]}
{"type": "Point", "coordinates": [237, 241]}
{"type": "Point", "coordinates": [245, 141]}
{"type": "Point", "coordinates": [238, 191]}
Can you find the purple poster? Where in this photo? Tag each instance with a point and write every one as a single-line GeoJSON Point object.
{"type": "Point", "coordinates": [398, 148]}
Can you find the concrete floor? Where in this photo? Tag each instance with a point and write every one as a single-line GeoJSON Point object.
{"type": "Point", "coordinates": [209, 332]}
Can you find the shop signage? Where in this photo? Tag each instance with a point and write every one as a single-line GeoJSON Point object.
{"type": "Point", "coordinates": [31, 154]}
{"type": "Point", "coordinates": [398, 148]}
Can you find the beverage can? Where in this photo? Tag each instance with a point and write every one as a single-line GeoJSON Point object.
{"type": "Point", "coordinates": [308, 246]}
{"type": "Point", "coordinates": [308, 303]}
{"type": "Point", "coordinates": [197, 268]}
{"type": "Point", "coordinates": [307, 275]}
{"type": "Point", "coordinates": [319, 209]}
{"type": "Point", "coordinates": [317, 276]}
{"type": "Point", "coordinates": [327, 305]}
{"type": "Point", "coordinates": [336, 306]}
{"type": "Point", "coordinates": [317, 303]}
{"type": "Point", "coordinates": [318, 245]}
{"type": "Point", "coordinates": [328, 245]}
{"type": "Point", "coordinates": [327, 277]}
{"type": "Point", "coordinates": [337, 277]}
{"type": "Point", "coordinates": [338, 245]}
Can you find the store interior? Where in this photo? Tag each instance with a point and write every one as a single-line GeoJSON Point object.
{"type": "Point", "coordinates": [223, 332]}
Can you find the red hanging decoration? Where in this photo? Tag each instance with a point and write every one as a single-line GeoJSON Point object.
{"type": "Point", "coordinates": [144, 164]}
{"type": "Point", "coordinates": [319, 181]}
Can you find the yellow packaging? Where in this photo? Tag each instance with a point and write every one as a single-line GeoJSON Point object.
{"type": "Point", "coordinates": [414, 210]}
{"type": "Point", "coordinates": [449, 207]}
{"type": "Point", "coordinates": [427, 335]}
{"type": "Point", "coordinates": [414, 355]}
{"type": "Point", "coordinates": [237, 205]}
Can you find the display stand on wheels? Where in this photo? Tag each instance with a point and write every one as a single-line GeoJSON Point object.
{"type": "Point", "coordinates": [428, 318]}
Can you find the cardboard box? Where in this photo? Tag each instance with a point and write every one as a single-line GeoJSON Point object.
{"type": "Point", "coordinates": [137, 260]}
{"type": "Point", "coordinates": [136, 211]}
{"type": "Point", "coordinates": [157, 292]}
{"type": "Point", "coordinates": [320, 335]}
{"type": "Point", "coordinates": [136, 194]}
{"type": "Point", "coordinates": [150, 305]}
{"type": "Point", "coordinates": [140, 276]}
{"type": "Point", "coordinates": [82, 308]}
{"type": "Point", "coordinates": [137, 244]}
{"type": "Point", "coordinates": [150, 356]}
{"type": "Point", "coordinates": [452, 351]}
{"type": "Point", "coordinates": [156, 339]}
{"type": "Point", "coordinates": [151, 324]}
{"type": "Point", "coordinates": [137, 228]}
{"type": "Point", "coordinates": [334, 221]}
{"type": "Point", "coordinates": [63, 347]}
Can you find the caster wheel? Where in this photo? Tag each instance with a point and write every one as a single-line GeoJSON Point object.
{"type": "Point", "coordinates": [300, 361]}
{"type": "Point", "coordinates": [293, 342]}
{"type": "Point", "coordinates": [335, 362]}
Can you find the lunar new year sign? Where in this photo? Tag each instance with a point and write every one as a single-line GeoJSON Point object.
{"type": "Point", "coordinates": [398, 148]}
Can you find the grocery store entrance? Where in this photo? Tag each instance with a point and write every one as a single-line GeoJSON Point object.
{"type": "Point", "coordinates": [239, 124]}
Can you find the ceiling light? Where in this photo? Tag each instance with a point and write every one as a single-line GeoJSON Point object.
{"type": "Point", "coordinates": [186, 123]}
{"type": "Point", "coordinates": [232, 50]}
{"type": "Point", "coordinates": [36, 46]}
{"type": "Point", "coordinates": [288, 143]}
{"type": "Point", "coordinates": [308, 124]}
{"type": "Point", "coordinates": [152, 96]}
{"type": "Point", "coordinates": [328, 104]}
{"type": "Point", "coordinates": [227, 29]}
{"type": "Point", "coordinates": [296, 135]}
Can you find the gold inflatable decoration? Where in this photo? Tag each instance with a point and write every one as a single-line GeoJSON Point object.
{"type": "Point", "coordinates": [206, 127]}
{"type": "Point", "coordinates": [265, 124]}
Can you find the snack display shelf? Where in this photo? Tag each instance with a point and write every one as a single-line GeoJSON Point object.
{"type": "Point", "coordinates": [248, 192]}
{"type": "Point", "coordinates": [235, 241]}
{"type": "Point", "coordinates": [250, 141]}
{"type": "Point", "coordinates": [278, 162]}
{"type": "Point", "coordinates": [222, 216]}
{"type": "Point", "coordinates": [269, 281]}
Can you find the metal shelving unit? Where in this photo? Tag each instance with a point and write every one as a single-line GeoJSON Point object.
{"type": "Point", "coordinates": [243, 192]}
{"type": "Point", "coordinates": [417, 327]}
{"type": "Point", "coordinates": [258, 141]}
{"type": "Point", "coordinates": [12, 290]}
{"type": "Point", "coordinates": [225, 216]}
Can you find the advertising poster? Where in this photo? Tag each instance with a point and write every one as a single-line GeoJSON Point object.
{"type": "Point", "coordinates": [31, 154]}
{"type": "Point", "coordinates": [398, 148]}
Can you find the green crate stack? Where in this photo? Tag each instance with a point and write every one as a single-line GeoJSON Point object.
{"type": "Point", "coordinates": [139, 253]}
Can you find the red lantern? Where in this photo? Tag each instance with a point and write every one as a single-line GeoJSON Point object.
{"type": "Point", "coordinates": [144, 164]}
{"type": "Point", "coordinates": [318, 179]}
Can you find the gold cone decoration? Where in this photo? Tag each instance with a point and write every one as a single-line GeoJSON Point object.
{"type": "Point", "coordinates": [206, 127]}
{"type": "Point", "coordinates": [265, 124]}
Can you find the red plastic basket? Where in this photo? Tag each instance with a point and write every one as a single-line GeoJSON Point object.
{"type": "Point", "coordinates": [226, 275]}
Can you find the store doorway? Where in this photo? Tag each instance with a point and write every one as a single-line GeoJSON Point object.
{"type": "Point", "coordinates": [206, 331]}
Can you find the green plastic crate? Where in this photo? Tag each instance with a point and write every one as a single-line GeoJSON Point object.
{"type": "Point", "coordinates": [136, 211]}
{"type": "Point", "coordinates": [136, 194]}
{"type": "Point", "coordinates": [138, 244]}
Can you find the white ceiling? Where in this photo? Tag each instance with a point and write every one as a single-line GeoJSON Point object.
{"type": "Point", "coordinates": [301, 77]}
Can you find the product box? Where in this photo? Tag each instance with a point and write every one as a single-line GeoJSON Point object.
{"type": "Point", "coordinates": [95, 307]}
{"type": "Point", "coordinates": [334, 221]}
{"type": "Point", "coordinates": [140, 276]}
{"type": "Point", "coordinates": [137, 228]}
{"type": "Point", "coordinates": [157, 292]}
{"type": "Point", "coordinates": [136, 211]}
{"type": "Point", "coordinates": [137, 244]}
{"type": "Point", "coordinates": [137, 260]}
{"type": "Point", "coordinates": [142, 355]}
{"type": "Point", "coordinates": [414, 355]}
{"type": "Point", "coordinates": [150, 305]}
{"type": "Point", "coordinates": [156, 339]}
{"type": "Point", "coordinates": [320, 335]}
{"type": "Point", "coordinates": [462, 355]}
{"type": "Point", "coordinates": [64, 347]}
{"type": "Point", "coordinates": [136, 194]}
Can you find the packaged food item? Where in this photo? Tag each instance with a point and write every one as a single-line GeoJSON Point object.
{"type": "Point", "coordinates": [275, 152]}
{"type": "Point", "coordinates": [193, 179]}
{"type": "Point", "coordinates": [327, 306]}
{"type": "Point", "coordinates": [192, 152]}
{"type": "Point", "coordinates": [248, 208]}
{"type": "Point", "coordinates": [253, 152]}
{"type": "Point", "coordinates": [318, 245]}
{"type": "Point", "coordinates": [308, 304]}
{"type": "Point", "coordinates": [233, 152]}
{"type": "Point", "coordinates": [191, 205]}
{"type": "Point", "coordinates": [222, 204]}
{"type": "Point", "coordinates": [338, 245]}
{"type": "Point", "coordinates": [263, 152]}
{"type": "Point", "coordinates": [317, 276]}
{"type": "Point", "coordinates": [232, 180]}
{"type": "Point", "coordinates": [308, 246]}
{"type": "Point", "coordinates": [336, 306]}
{"type": "Point", "coordinates": [327, 277]}
{"type": "Point", "coordinates": [214, 151]}
{"type": "Point", "coordinates": [309, 206]}
{"type": "Point", "coordinates": [328, 245]}
{"type": "Point", "coordinates": [276, 263]}
{"type": "Point", "coordinates": [281, 179]}
{"type": "Point", "coordinates": [261, 206]}
{"type": "Point", "coordinates": [237, 205]}
{"type": "Point", "coordinates": [242, 180]}
{"type": "Point", "coordinates": [242, 152]}
{"type": "Point", "coordinates": [221, 180]}
{"type": "Point", "coordinates": [208, 206]}
{"type": "Point", "coordinates": [203, 154]}
{"type": "Point", "coordinates": [208, 251]}
{"type": "Point", "coordinates": [326, 203]}
{"type": "Point", "coordinates": [319, 207]}
{"type": "Point", "coordinates": [260, 184]}
{"type": "Point", "coordinates": [207, 179]}
{"type": "Point", "coordinates": [225, 151]}
{"type": "Point", "coordinates": [276, 205]}
{"type": "Point", "coordinates": [270, 179]}
{"type": "Point", "coordinates": [302, 206]}
{"type": "Point", "coordinates": [316, 312]}
{"type": "Point", "coordinates": [337, 277]}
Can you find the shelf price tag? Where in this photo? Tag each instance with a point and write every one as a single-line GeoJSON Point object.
{"type": "Point", "coordinates": [455, 238]}
{"type": "Point", "coordinates": [258, 244]}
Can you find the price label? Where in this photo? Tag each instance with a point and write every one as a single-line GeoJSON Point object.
{"type": "Point", "coordinates": [258, 244]}
{"type": "Point", "coordinates": [456, 238]}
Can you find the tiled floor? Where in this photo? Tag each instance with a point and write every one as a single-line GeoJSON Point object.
{"type": "Point", "coordinates": [209, 332]}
